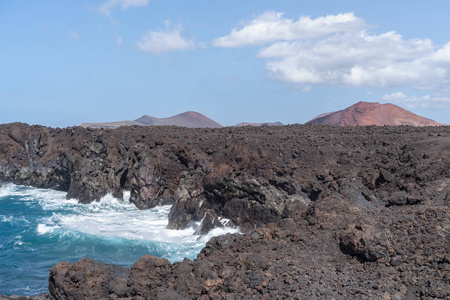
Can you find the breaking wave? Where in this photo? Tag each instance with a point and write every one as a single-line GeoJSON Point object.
{"type": "Point", "coordinates": [39, 228]}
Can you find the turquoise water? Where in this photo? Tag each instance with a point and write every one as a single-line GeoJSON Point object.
{"type": "Point", "coordinates": [39, 228]}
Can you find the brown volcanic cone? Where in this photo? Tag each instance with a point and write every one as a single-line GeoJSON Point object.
{"type": "Point", "coordinates": [372, 113]}
{"type": "Point", "coordinates": [190, 119]}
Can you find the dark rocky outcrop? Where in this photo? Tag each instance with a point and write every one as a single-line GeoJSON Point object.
{"type": "Point", "coordinates": [327, 212]}
{"type": "Point", "coordinates": [407, 259]}
{"type": "Point", "coordinates": [249, 175]}
{"type": "Point", "coordinates": [87, 279]}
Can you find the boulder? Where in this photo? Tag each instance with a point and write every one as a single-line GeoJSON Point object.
{"type": "Point", "coordinates": [87, 279]}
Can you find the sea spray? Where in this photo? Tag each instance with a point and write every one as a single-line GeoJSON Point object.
{"type": "Point", "coordinates": [39, 228]}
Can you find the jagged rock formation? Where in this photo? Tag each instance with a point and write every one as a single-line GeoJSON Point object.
{"type": "Point", "coordinates": [199, 170]}
{"type": "Point", "coordinates": [328, 212]}
{"type": "Point", "coordinates": [250, 175]}
{"type": "Point", "coordinates": [190, 119]}
{"type": "Point", "coordinates": [399, 253]}
{"type": "Point", "coordinates": [366, 113]}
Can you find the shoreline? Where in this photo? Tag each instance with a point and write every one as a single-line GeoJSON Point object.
{"type": "Point", "coordinates": [44, 220]}
{"type": "Point", "coordinates": [356, 213]}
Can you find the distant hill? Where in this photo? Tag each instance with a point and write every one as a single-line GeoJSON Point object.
{"type": "Point", "coordinates": [189, 119]}
{"type": "Point", "coordinates": [372, 113]}
{"type": "Point", "coordinates": [111, 125]}
{"type": "Point", "coordinates": [258, 124]}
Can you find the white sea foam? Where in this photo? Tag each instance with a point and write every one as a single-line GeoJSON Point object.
{"type": "Point", "coordinates": [108, 218]}
{"type": "Point", "coordinates": [126, 196]}
{"type": "Point", "coordinates": [18, 242]}
{"type": "Point", "coordinates": [13, 220]}
{"type": "Point", "coordinates": [6, 219]}
{"type": "Point", "coordinates": [8, 189]}
{"type": "Point", "coordinates": [111, 217]}
{"type": "Point", "coordinates": [40, 227]}
{"type": "Point", "coordinates": [43, 229]}
{"type": "Point", "coordinates": [29, 194]}
{"type": "Point", "coordinates": [218, 231]}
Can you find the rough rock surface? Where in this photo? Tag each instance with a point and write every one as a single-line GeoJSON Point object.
{"type": "Point", "coordinates": [328, 212]}
{"type": "Point", "coordinates": [295, 260]}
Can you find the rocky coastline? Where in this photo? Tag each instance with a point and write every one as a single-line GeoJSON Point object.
{"type": "Point", "coordinates": [327, 212]}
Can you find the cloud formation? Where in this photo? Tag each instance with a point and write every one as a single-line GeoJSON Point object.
{"type": "Point", "coordinates": [339, 50]}
{"type": "Point", "coordinates": [427, 101]}
{"type": "Point", "coordinates": [157, 42]}
{"type": "Point", "coordinates": [109, 5]}
{"type": "Point", "coordinates": [271, 26]}
{"type": "Point", "coordinates": [75, 37]}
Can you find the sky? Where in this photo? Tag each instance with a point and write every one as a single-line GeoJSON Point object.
{"type": "Point", "coordinates": [63, 63]}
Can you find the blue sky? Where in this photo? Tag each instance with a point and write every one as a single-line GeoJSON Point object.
{"type": "Point", "coordinates": [67, 62]}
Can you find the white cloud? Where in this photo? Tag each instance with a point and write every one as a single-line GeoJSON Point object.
{"type": "Point", "coordinates": [119, 40]}
{"type": "Point", "coordinates": [157, 42]}
{"type": "Point", "coordinates": [109, 5]}
{"type": "Point", "coordinates": [338, 50]}
{"type": "Point", "coordinates": [426, 101]}
{"type": "Point", "coordinates": [443, 54]}
{"type": "Point", "coordinates": [271, 26]}
{"type": "Point", "coordinates": [307, 89]}
{"type": "Point", "coordinates": [74, 36]}
{"type": "Point", "coordinates": [398, 96]}
{"type": "Point", "coordinates": [357, 60]}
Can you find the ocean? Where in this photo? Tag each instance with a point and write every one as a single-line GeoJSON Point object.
{"type": "Point", "coordinates": [39, 228]}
